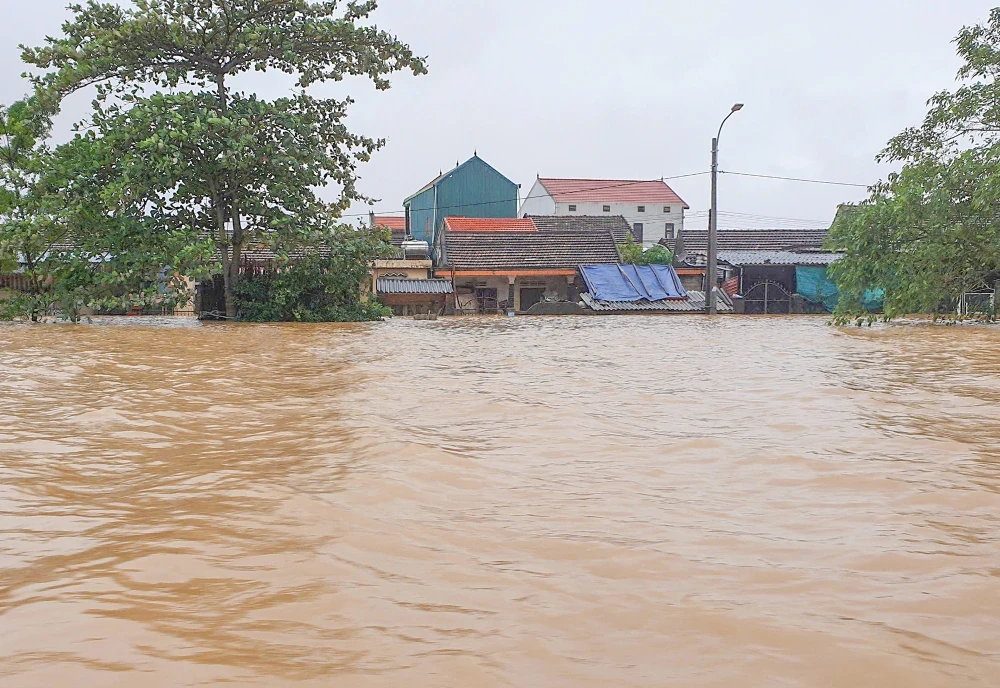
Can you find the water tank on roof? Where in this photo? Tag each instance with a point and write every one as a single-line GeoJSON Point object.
{"type": "Point", "coordinates": [415, 250]}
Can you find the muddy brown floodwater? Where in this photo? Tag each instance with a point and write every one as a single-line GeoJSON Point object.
{"type": "Point", "coordinates": [500, 502]}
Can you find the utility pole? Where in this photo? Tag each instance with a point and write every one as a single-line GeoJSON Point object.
{"type": "Point", "coordinates": [712, 269]}
{"type": "Point", "coordinates": [712, 266]}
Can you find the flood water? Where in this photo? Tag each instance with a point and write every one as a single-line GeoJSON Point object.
{"type": "Point", "coordinates": [500, 502]}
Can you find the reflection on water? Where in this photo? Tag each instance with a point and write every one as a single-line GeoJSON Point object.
{"type": "Point", "coordinates": [500, 502]}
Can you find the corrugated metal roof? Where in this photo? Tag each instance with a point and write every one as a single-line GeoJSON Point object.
{"type": "Point", "coordinates": [398, 285]}
{"type": "Point", "coordinates": [696, 240]}
{"type": "Point", "coordinates": [695, 303]}
{"type": "Point", "coordinates": [428, 185]}
{"type": "Point", "coordinates": [438, 179]}
{"type": "Point", "coordinates": [611, 191]}
{"type": "Point", "coordinates": [778, 257]}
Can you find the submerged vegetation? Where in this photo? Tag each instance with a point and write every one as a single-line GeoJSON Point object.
{"type": "Point", "coordinates": [930, 233]}
{"type": "Point", "coordinates": [176, 175]}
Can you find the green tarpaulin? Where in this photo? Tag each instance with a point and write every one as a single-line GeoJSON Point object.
{"type": "Point", "coordinates": [813, 284]}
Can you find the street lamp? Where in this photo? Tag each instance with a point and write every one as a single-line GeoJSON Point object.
{"type": "Point", "coordinates": [713, 220]}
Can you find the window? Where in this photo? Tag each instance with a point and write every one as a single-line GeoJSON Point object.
{"type": "Point", "coordinates": [607, 208]}
{"type": "Point", "coordinates": [642, 208]}
{"type": "Point", "coordinates": [572, 208]}
{"type": "Point", "coordinates": [666, 210]}
{"type": "Point", "coordinates": [669, 233]}
{"type": "Point", "coordinates": [637, 231]}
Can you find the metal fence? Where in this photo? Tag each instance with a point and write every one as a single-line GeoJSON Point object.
{"type": "Point", "coordinates": [15, 282]}
{"type": "Point", "coordinates": [766, 298]}
{"type": "Point", "coordinates": [978, 303]}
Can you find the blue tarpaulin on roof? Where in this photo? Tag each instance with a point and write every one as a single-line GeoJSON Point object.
{"type": "Point", "coordinates": [632, 282]}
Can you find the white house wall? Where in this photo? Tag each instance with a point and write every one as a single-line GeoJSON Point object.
{"type": "Point", "coordinates": [538, 202]}
{"type": "Point", "coordinates": [654, 220]}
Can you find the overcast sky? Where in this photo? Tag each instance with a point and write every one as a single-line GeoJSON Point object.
{"type": "Point", "coordinates": [634, 89]}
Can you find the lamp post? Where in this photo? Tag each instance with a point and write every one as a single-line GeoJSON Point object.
{"type": "Point", "coordinates": [713, 221]}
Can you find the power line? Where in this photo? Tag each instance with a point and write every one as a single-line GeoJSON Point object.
{"type": "Point", "coordinates": [565, 193]}
{"type": "Point", "coordinates": [795, 179]}
{"type": "Point", "coordinates": [645, 181]}
{"type": "Point", "coordinates": [754, 216]}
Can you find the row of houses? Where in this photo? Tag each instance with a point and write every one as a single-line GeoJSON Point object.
{"type": "Point", "coordinates": [466, 243]}
{"type": "Point", "coordinates": [475, 189]}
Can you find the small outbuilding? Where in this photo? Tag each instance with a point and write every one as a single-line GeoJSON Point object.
{"type": "Point", "coordinates": [770, 271]}
{"type": "Point", "coordinates": [503, 265]}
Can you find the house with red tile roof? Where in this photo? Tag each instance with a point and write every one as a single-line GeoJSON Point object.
{"type": "Point", "coordinates": [396, 224]}
{"type": "Point", "coordinates": [502, 264]}
{"type": "Point", "coordinates": [651, 207]}
{"type": "Point", "coordinates": [482, 224]}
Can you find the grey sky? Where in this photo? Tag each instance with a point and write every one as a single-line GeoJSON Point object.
{"type": "Point", "coordinates": [634, 89]}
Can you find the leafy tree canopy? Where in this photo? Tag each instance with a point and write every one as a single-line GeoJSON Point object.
{"type": "Point", "coordinates": [633, 254]}
{"type": "Point", "coordinates": [204, 42]}
{"type": "Point", "coordinates": [27, 232]}
{"type": "Point", "coordinates": [930, 232]}
{"type": "Point", "coordinates": [202, 160]}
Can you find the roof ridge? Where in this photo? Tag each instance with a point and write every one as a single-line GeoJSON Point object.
{"type": "Point", "coordinates": [588, 179]}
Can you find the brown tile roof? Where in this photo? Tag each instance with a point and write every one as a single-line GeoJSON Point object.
{"type": "Point", "coordinates": [696, 241]}
{"type": "Point", "coordinates": [611, 191]}
{"type": "Point", "coordinates": [616, 224]}
{"type": "Point", "coordinates": [552, 250]}
{"type": "Point", "coordinates": [489, 224]}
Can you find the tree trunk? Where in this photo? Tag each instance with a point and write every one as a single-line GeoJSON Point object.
{"type": "Point", "coordinates": [231, 272]}
{"type": "Point", "coordinates": [224, 244]}
{"type": "Point", "coordinates": [229, 278]}
{"type": "Point", "coordinates": [232, 278]}
{"type": "Point", "coordinates": [34, 288]}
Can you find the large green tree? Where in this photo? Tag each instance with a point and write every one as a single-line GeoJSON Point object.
{"type": "Point", "coordinates": [27, 235]}
{"type": "Point", "coordinates": [931, 232]}
{"type": "Point", "coordinates": [76, 231]}
{"type": "Point", "coordinates": [203, 155]}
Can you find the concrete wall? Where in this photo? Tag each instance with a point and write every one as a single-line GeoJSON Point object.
{"type": "Point", "coordinates": [537, 202]}
{"type": "Point", "coordinates": [653, 220]}
{"type": "Point", "coordinates": [556, 287]}
{"type": "Point", "coordinates": [466, 284]}
{"type": "Point", "coordinates": [413, 304]}
{"type": "Point", "coordinates": [410, 269]}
